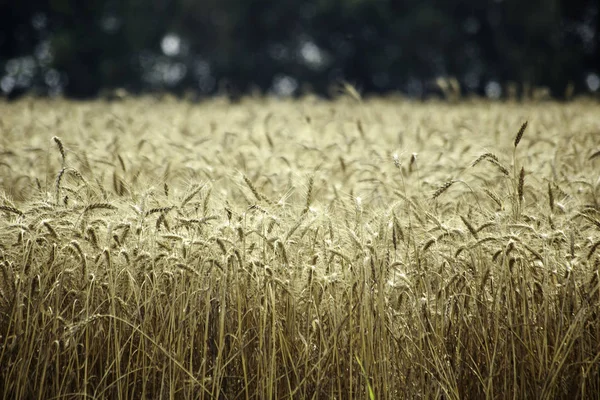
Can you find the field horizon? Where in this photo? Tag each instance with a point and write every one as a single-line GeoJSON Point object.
{"type": "Point", "coordinates": [307, 249]}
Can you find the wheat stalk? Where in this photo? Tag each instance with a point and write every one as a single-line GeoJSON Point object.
{"type": "Point", "coordinates": [190, 196]}
{"type": "Point", "coordinates": [99, 206]}
{"type": "Point", "coordinates": [501, 167]}
{"type": "Point", "coordinates": [163, 210]}
{"type": "Point", "coordinates": [550, 197]}
{"type": "Point", "coordinates": [485, 156]}
{"type": "Point", "coordinates": [469, 226]}
{"type": "Point", "coordinates": [259, 196]}
{"type": "Point", "coordinates": [443, 188]}
{"type": "Point", "coordinates": [521, 185]}
{"type": "Point", "coordinates": [11, 210]}
{"type": "Point", "coordinates": [593, 249]}
{"type": "Point", "coordinates": [61, 149]}
{"type": "Point", "coordinates": [50, 229]}
{"type": "Point", "coordinates": [520, 133]}
{"type": "Point", "coordinates": [308, 195]}
{"type": "Point", "coordinates": [58, 180]}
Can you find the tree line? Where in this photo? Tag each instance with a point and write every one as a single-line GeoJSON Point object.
{"type": "Point", "coordinates": [83, 48]}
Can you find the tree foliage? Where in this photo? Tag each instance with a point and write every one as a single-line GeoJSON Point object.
{"type": "Point", "coordinates": [82, 47]}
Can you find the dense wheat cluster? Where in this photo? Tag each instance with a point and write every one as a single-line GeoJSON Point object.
{"type": "Point", "coordinates": [303, 249]}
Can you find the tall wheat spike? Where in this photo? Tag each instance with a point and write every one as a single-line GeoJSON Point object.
{"type": "Point", "coordinates": [520, 187]}
{"type": "Point", "coordinates": [520, 133]}
{"type": "Point", "coordinates": [61, 149]}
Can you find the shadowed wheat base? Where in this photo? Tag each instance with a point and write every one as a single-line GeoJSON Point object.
{"type": "Point", "coordinates": [299, 249]}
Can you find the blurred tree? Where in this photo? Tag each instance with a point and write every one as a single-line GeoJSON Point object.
{"type": "Point", "coordinates": [81, 47]}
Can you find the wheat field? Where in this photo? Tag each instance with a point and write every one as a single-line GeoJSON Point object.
{"type": "Point", "coordinates": [308, 249]}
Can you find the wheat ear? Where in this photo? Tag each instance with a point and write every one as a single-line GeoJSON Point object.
{"type": "Point", "coordinates": [61, 149]}
{"type": "Point", "coordinates": [520, 133]}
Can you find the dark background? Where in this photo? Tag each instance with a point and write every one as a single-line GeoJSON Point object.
{"type": "Point", "coordinates": [82, 48]}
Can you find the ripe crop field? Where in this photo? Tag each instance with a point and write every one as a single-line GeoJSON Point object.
{"type": "Point", "coordinates": [307, 249]}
